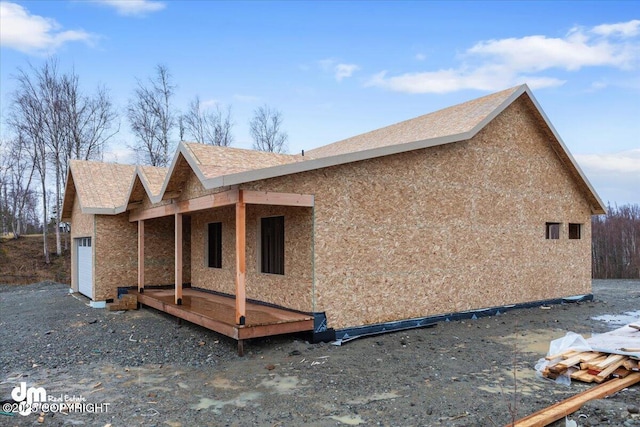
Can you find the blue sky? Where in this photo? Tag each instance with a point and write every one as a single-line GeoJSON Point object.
{"type": "Point", "coordinates": [338, 69]}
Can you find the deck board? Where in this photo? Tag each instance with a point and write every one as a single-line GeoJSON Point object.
{"type": "Point", "coordinates": [217, 312]}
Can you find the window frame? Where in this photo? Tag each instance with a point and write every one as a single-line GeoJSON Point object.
{"type": "Point", "coordinates": [214, 241]}
{"type": "Point", "coordinates": [552, 230]}
{"type": "Point", "coordinates": [272, 245]}
{"type": "Point", "coordinates": [573, 228]}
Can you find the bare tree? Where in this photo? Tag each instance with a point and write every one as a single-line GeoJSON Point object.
{"type": "Point", "coordinates": [18, 189]}
{"type": "Point", "coordinates": [53, 122]}
{"type": "Point", "coordinates": [208, 127]}
{"type": "Point", "coordinates": [91, 120]}
{"type": "Point", "coordinates": [265, 128]}
{"type": "Point", "coordinates": [615, 242]}
{"type": "Point", "coordinates": [151, 117]}
{"type": "Point", "coordinates": [28, 117]}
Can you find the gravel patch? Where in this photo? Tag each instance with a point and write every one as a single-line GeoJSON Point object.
{"type": "Point", "coordinates": [151, 370]}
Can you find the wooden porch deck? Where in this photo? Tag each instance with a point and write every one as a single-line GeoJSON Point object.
{"type": "Point", "coordinates": [217, 312]}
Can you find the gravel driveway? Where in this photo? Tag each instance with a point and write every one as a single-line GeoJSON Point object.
{"type": "Point", "coordinates": [143, 368]}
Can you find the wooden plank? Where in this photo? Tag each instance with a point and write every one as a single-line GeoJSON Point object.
{"type": "Point", "coordinates": [609, 370]}
{"type": "Point", "coordinates": [277, 329]}
{"type": "Point", "coordinates": [610, 360]}
{"type": "Point", "coordinates": [157, 212]}
{"type": "Point", "coordinates": [241, 236]}
{"type": "Point", "coordinates": [224, 198]}
{"type": "Point", "coordinates": [178, 258]}
{"type": "Point", "coordinates": [140, 256]}
{"type": "Point", "coordinates": [278, 199]}
{"type": "Point", "coordinates": [568, 406]}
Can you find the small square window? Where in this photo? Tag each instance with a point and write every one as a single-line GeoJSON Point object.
{"type": "Point", "coordinates": [214, 245]}
{"type": "Point", "coordinates": [553, 230]}
{"type": "Point", "coordinates": [575, 231]}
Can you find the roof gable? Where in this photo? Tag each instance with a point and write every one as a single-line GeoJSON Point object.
{"type": "Point", "coordinates": [102, 188]}
{"type": "Point", "coordinates": [460, 120]}
{"type": "Point", "coordinates": [225, 166]}
{"type": "Point", "coordinates": [210, 162]}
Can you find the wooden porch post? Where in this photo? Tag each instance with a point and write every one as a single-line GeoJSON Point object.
{"type": "Point", "coordinates": [178, 258]}
{"type": "Point", "coordinates": [240, 259]}
{"type": "Point", "coordinates": [141, 256]}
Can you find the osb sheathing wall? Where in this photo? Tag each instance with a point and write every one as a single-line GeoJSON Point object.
{"type": "Point", "coordinates": [159, 251]}
{"type": "Point", "coordinates": [82, 225]}
{"type": "Point", "coordinates": [115, 249]}
{"type": "Point", "coordinates": [445, 229]}
{"type": "Point", "coordinates": [292, 290]}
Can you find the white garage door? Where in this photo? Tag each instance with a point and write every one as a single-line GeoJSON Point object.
{"type": "Point", "coordinates": [85, 266]}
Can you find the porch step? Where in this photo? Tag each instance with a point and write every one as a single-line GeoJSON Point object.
{"type": "Point", "coordinates": [124, 302]}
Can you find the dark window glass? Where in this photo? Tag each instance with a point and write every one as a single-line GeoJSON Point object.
{"type": "Point", "coordinates": [575, 231]}
{"type": "Point", "coordinates": [272, 245]}
{"type": "Point", "coordinates": [215, 245]}
{"type": "Point", "coordinates": [553, 230]}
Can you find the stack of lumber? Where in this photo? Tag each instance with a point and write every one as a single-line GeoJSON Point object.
{"type": "Point", "coordinates": [589, 366]}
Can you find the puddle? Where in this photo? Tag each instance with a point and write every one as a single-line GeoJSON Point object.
{"type": "Point", "coordinates": [240, 402]}
{"type": "Point", "coordinates": [350, 420]}
{"type": "Point", "coordinates": [374, 398]}
{"type": "Point", "coordinates": [224, 383]}
{"type": "Point", "coordinates": [618, 320]}
{"type": "Point", "coordinates": [283, 385]}
{"type": "Point", "coordinates": [528, 384]}
{"type": "Point", "coordinates": [535, 342]}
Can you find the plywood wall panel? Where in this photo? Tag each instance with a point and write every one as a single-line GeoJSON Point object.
{"type": "Point", "coordinates": [448, 228]}
{"type": "Point", "coordinates": [115, 249]}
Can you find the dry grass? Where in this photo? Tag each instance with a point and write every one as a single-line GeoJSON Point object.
{"type": "Point", "coordinates": [22, 260]}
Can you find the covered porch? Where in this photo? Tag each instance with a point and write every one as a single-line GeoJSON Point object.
{"type": "Point", "coordinates": [232, 315]}
{"type": "Point", "coordinates": [217, 312]}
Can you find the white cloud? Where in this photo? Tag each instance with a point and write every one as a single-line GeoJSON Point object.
{"type": "Point", "coordinates": [623, 162]}
{"type": "Point", "coordinates": [489, 78]}
{"type": "Point", "coordinates": [420, 56]}
{"type": "Point", "coordinates": [615, 176]}
{"type": "Point", "coordinates": [496, 64]}
{"type": "Point", "coordinates": [345, 70]}
{"type": "Point", "coordinates": [34, 34]}
{"type": "Point", "coordinates": [209, 103]}
{"type": "Point", "coordinates": [340, 71]}
{"type": "Point", "coordinates": [623, 29]}
{"type": "Point", "coordinates": [134, 7]}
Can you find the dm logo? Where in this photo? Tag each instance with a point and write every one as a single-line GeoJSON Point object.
{"type": "Point", "coordinates": [29, 397]}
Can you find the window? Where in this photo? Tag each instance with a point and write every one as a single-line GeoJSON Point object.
{"type": "Point", "coordinates": [272, 245]}
{"type": "Point", "coordinates": [553, 230]}
{"type": "Point", "coordinates": [575, 231]}
{"type": "Point", "coordinates": [214, 252]}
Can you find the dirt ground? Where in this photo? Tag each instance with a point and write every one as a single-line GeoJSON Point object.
{"type": "Point", "coordinates": [143, 368]}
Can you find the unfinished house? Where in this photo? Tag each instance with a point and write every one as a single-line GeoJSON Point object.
{"type": "Point", "coordinates": [469, 209]}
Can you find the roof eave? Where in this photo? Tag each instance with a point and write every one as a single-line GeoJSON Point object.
{"type": "Point", "coordinates": [186, 153]}
{"type": "Point", "coordinates": [596, 209]}
{"type": "Point", "coordinates": [324, 162]}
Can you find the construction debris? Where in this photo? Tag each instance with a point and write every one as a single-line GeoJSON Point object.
{"type": "Point", "coordinates": [614, 354]}
{"type": "Point", "coordinates": [589, 366]}
{"type": "Point", "coordinates": [612, 360]}
{"type": "Point", "coordinates": [572, 404]}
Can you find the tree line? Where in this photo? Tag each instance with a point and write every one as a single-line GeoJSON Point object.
{"type": "Point", "coordinates": [615, 240]}
{"type": "Point", "coordinates": [52, 120]}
